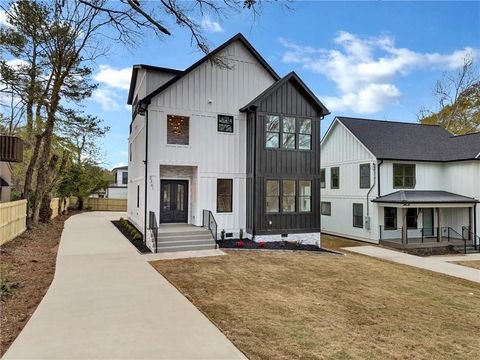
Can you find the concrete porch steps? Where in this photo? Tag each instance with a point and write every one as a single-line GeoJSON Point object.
{"type": "Point", "coordinates": [183, 237]}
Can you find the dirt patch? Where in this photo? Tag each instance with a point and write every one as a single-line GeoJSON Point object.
{"type": "Point", "coordinates": [270, 245]}
{"type": "Point", "coordinates": [26, 271]}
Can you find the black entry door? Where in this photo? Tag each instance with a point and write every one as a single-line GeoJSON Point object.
{"type": "Point", "coordinates": [174, 201]}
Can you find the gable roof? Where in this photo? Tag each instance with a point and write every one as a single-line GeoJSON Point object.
{"type": "Point", "coordinates": [133, 79]}
{"type": "Point", "coordinates": [120, 168]}
{"type": "Point", "coordinates": [207, 57]}
{"type": "Point", "coordinates": [392, 140]}
{"type": "Point", "coordinates": [289, 77]}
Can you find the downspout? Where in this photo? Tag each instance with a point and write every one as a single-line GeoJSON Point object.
{"type": "Point", "coordinates": [371, 188]}
{"type": "Point", "coordinates": [146, 169]}
{"type": "Point", "coordinates": [254, 172]}
{"type": "Point", "coordinates": [378, 171]}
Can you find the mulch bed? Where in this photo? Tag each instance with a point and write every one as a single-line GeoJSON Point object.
{"type": "Point", "coordinates": [271, 245]}
{"type": "Point", "coordinates": [27, 266]}
{"type": "Point", "coordinates": [141, 247]}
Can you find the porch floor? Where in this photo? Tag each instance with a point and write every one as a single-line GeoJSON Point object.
{"type": "Point", "coordinates": [182, 227]}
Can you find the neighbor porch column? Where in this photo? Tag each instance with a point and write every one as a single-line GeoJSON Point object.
{"type": "Point", "coordinates": [404, 227]}
{"type": "Point", "coordinates": [439, 225]}
{"type": "Point", "coordinates": [470, 223]}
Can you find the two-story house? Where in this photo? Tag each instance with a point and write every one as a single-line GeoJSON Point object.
{"type": "Point", "coordinates": [118, 190]}
{"type": "Point", "coordinates": [402, 184]}
{"type": "Point", "coordinates": [235, 148]}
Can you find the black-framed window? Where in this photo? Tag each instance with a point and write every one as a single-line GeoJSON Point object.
{"type": "Point", "coordinates": [390, 218]}
{"type": "Point", "coordinates": [288, 196]}
{"type": "Point", "coordinates": [288, 132]}
{"type": "Point", "coordinates": [364, 176]}
{"type": "Point", "coordinates": [124, 178]}
{"type": "Point", "coordinates": [358, 215]}
{"type": "Point", "coordinates": [323, 178]}
{"type": "Point", "coordinates": [178, 130]}
{"type": "Point", "coordinates": [305, 198]}
{"type": "Point", "coordinates": [304, 134]}
{"type": "Point", "coordinates": [412, 216]}
{"type": "Point", "coordinates": [326, 208]}
{"type": "Point", "coordinates": [138, 196]}
{"type": "Point", "coordinates": [272, 196]}
{"type": "Point", "coordinates": [404, 176]}
{"type": "Point", "coordinates": [224, 195]}
{"type": "Point", "coordinates": [225, 123]}
{"type": "Point", "coordinates": [272, 128]}
{"type": "Point", "coordinates": [335, 178]}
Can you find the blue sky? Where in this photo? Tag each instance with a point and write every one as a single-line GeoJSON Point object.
{"type": "Point", "coordinates": [365, 59]}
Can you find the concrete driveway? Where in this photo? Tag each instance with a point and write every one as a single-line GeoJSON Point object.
{"type": "Point", "coordinates": [107, 302]}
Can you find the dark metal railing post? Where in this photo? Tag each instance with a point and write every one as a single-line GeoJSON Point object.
{"type": "Point", "coordinates": [422, 234]}
{"type": "Point", "coordinates": [438, 233]}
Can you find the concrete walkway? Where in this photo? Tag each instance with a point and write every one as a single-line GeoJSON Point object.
{"type": "Point", "coordinates": [427, 263]}
{"type": "Point", "coordinates": [107, 302]}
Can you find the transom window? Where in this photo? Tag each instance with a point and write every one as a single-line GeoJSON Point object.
{"type": "Point", "coordinates": [390, 218]}
{"type": "Point", "coordinates": [177, 130]}
{"type": "Point", "coordinates": [364, 176]}
{"type": "Point", "coordinates": [225, 123]}
{"type": "Point", "coordinates": [404, 176]}
{"type": "Point", "coordinates": [224, 195]}
{"type": "Point", "coordinates": [358, 215]}
{"type": "Point", "coordinates": [326, 208]}
{"type": "Point", "coordinates": [335, 178]}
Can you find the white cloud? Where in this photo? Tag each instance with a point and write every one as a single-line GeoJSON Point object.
{"type": "Point", "coordinates": [3, 18]}
{"type": "Point", "coordinates": [108, 99]}
{"type": "Point", "coordinates": [115, 78]}
{"type": "Point", "coordinates": [364, 69]}
{"type": "Point", "coordinates": [209, 25]}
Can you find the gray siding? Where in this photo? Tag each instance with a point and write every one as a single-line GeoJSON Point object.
{"type": "Point", "coordinates": [264, 164]}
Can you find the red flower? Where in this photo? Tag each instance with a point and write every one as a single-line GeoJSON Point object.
{"type": "Point", "coordinates": [240, 244]}
{"type": "Point", "coordinates": [262, 244]}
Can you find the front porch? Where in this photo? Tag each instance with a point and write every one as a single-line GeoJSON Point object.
{"type": "Point", "coordinates": [427, 219]}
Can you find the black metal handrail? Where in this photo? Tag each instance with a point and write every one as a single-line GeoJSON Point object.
{"type": "Point", "coordinates": [468, 234]}
{"type": "Point", "coordinates": [153, 227]}
{"type": "Point", "coordinates": [452, 234]}
{"type": "Point", "coordinates": [209, 222]}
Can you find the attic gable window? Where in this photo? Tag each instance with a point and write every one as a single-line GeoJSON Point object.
{"type": "Point", "coordinates": [288, 134]}
{"type": "Point", "coordinates": [304, 134]}
{"type": "Point", "coordinates": [177, 130]}
{"type": "Point", "coordinates": [272, 127]}
{"type": "Point", "coordinates": [225, 123]}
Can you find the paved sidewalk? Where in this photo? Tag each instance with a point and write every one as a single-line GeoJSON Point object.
{"type": "Point", "coordinates": [431, 264]}
{"type": "Point", "coordinates": [107, 302]}
{"type": "Point", "coordinates": [459, 257]}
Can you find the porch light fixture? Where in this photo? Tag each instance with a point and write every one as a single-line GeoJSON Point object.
{"type": "Point", "coordinates": [142, 108]}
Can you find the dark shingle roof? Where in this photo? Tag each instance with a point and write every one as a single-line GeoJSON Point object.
{"type": "Point", "coordinates": [411, 141]}
{"type": "Point", "coordinates": [420, 196]}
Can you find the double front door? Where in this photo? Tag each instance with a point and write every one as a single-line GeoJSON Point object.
{"type": "Point", "coordinates": [174, 201]}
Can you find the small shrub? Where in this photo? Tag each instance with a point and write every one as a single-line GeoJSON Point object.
{"type": "Point", "coordinates": [239, 244]}
{"type": "Point", "coordinates": [262, 244]}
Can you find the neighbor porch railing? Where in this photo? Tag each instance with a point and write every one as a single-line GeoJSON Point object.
{"type": "Point", "coordinates": [209, 222]}
{"type": "Point", "coordinates": [153, 227]}
{"type": "Point", "coordinates": [469, 235]}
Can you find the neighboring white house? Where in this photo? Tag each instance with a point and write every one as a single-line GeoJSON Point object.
{"type": "Point", "coordinates": [399, 183]}
{"type": "Point", "coordinates": [236, 142]}
{"type": "Point", "coordinates": [118, 189]}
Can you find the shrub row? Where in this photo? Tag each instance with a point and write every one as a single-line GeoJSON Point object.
{"type": "Point", "coordinates": [132, 230]}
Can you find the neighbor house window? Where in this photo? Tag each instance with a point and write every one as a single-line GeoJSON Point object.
{"type": "Point", "coordinates": [138, 196]}
{"type": "Point", "coordinates": [177, 130]}
{"type": "Point", "coordinates": [412, 216]}
{"type": "Point", "coordinates": [225, 123]}
{"type": "Point", "coordinates": [305, 198]}
{"type": "Point", "coordinates": [364, 176]}
{"type": "Point", "coordinates": [358, 215]}
{"type": "Point", "coordinates": [272, 124]}
{"type": "Point", "coordinates": [322, 179]}
{"type": "Point", "coordinates": [273, 196]}
{"type": "Point", "coordinates": [390, 218]}
{"type": "Point", "coordinates": [288, 196]}
{"type": "Point", "coordinates": [335, 178]}
{"type": "Point", "coordinates": [304, 134]}
{"type": "Point", "coordinates": [326, 208]}
{"type": "Point", "coordinates": [125, 178]}
{"type": "Point", "coordinates": [224, 195]}
{"type": "Point", "coordinates": [403, 175]}
{"type": "Point", "coordinates": [288, 135]}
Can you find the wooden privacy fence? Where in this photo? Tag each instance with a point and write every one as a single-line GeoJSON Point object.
{"type": "Point", "coordinates": [101, 204]}
{"type": "Point", "coordinates": [13, 219]}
